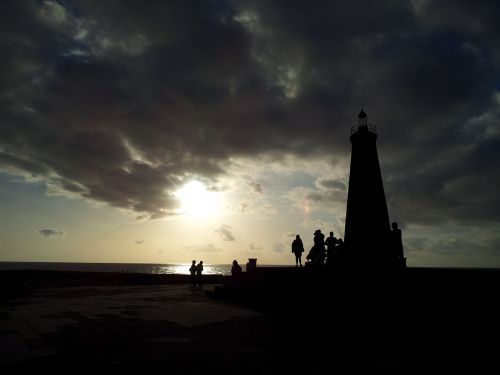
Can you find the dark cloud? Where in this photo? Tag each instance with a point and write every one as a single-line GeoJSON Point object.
{"type": "Point", "coordinates": [256, 186]}
{"type": "Point", "coordinates": [326, 198]}
{"type": "Point", "coordinates": [122, 102]}
{"type": "Point", "coordinates": [255, 191]}
{"type": "Point", "coordinates": [225, 232]}
{"type": "Point", "coordinates": [475, 247]}
{"type": "Point", "coordinates": [51, 233]}
{"type": "Point", "coordinates": [332, 184]}
{"type": "Point", "coordinates": [254, 248]}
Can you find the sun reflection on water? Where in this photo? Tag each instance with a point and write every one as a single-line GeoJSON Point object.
{"type": "Point", "coordinates": [183, 269]}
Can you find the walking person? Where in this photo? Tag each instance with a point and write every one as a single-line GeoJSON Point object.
{"type": "Point", "coordinates": [298, 249]}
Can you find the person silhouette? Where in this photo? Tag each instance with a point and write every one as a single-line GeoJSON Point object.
{"type": "Point", "coordinates": [337, 255]}
{"type": "Point", "coordinates": [340, 246]}
{"type": "Point", "coordinates": [331, 243]}
{"type": "Point", "coordinates": [298, 249]}
{"type": "Point", "coordinates": [199, 270]}
{"type": "Point", "coordinates": [318, 256]}
{"type": "Point", "coordinates": [236, 269]}
{"type": "Point", "coordinates": [192, 272]}
{"type": "Point", "coordinates": [397, 243]}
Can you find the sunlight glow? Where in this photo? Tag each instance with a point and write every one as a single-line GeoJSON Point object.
{"type": "Point", "coordinates": [196, 200]}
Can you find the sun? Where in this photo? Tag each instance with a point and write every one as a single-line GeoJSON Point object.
{"type": "Point", "coordinates": [197, 200]}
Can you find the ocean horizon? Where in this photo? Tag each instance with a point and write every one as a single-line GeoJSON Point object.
{"type": "Point", "coordinates": [149, 268]}
{"type": "Point", "coordinates": [161, 268]}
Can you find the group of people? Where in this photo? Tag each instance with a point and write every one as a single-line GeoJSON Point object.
{"type": "Point", "coordinates": [323, 252]}
{"type": "Point", "coordinates": [319, 255]}
{"type": "Point", "coordinates": [196, 271]}
{"type": "Point", "coordinates": [236, 269]}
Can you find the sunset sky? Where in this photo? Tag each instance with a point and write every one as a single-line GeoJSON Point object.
{"type": "Point", "coordinates": [166, 131]}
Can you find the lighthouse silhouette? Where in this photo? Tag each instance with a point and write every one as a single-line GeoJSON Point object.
{"type": "Point", "coordinates": [367, 228]}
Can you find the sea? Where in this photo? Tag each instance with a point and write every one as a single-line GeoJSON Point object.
{"type": "Point", "coordinates": [178, 269]}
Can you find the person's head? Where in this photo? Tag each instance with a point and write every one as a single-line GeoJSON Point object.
{"type": "Point", "coordinates": [394, 225]}
{"type": "Point", "coordinates": [194, 261]}
{"type": "Point", "coordinates": [317, 231]}
{"type": "Point", "coordinates": [331, 234]}
{"type": "Point", "coordinates": [235, 261]}
{"type": "Point", "coordinates": [297, 237]}
{"type": "Point", "coordinates": [340, 240]}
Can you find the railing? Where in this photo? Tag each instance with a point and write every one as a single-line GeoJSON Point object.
{"type": "Point", "coordinates": [371, 128]}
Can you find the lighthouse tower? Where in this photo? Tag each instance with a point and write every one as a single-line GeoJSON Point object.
{"type": "Point", "coordinates": [367, 229]}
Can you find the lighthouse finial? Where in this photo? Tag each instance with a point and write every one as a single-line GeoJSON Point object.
{"type": "Point", "coordinates": [362, 118]}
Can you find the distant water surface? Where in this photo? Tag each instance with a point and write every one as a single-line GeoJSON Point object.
{"type": "Point", "coordinates": [182, 269]}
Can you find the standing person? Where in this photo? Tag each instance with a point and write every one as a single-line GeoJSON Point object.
{"type": "Point", "coordinates": [340, 246]}
{"type": "Point", "coordinates": [192, 272]}
{"type": "Point", "coordinates": [298, 249]}
{"type": "Point", "coordinates": [331, 243]}
{"type": "Point", "coordinates": [236, 269]}
{"type": "Point", "coordinates": [199, 270]}
{"type": "Point", "coordinates": [397, 244]}
{"type": "Point", "coordinates": [319, 246]}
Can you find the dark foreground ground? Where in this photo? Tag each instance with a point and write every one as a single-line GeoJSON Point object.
{"type": "Point", "coordinates": [274, 321]}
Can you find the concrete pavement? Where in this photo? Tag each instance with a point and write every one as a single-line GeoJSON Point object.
{"type": "Point", "coordinates": [54, 324]}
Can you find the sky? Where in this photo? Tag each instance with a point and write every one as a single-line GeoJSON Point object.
{"type": "Point", "coordinates": [166, 131]}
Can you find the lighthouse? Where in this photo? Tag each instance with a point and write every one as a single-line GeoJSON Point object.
{"type": "Point", "coordinates": [367, 228]}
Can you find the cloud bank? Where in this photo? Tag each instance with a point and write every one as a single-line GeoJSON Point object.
{"type": "Point", "coordinates": [51, 233]}
{"type": "Point", "coordinates": [225, 233]}
{"type": "Point", "coordinates": [122, 102]}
